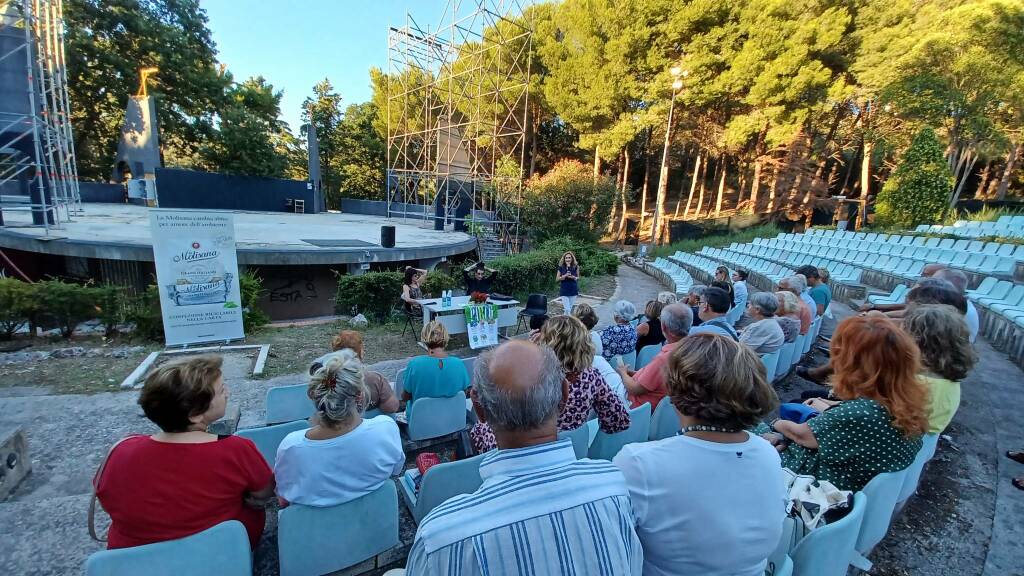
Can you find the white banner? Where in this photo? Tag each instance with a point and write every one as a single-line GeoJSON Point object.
{"type": "Point", "coordinates": [197, 273]}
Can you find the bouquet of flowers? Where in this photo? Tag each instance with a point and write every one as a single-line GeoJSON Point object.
{"type": "Point", "coordinates": [478, 297]}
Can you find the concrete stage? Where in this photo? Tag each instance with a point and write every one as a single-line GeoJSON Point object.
{"type": "Point", "coordinates": [121, 232]}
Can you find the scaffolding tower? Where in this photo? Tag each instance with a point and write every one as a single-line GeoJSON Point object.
{"type": "Point", "coordinates": [38, 172]}
{"type": "Point", "coordinates": [457, 97]}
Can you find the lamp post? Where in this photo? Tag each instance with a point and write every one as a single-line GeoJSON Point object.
{"type": "Point", "coordinates": [677, 74]}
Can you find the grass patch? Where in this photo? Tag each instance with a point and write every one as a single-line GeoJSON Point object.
{"type": "Point", "coordinates": [718, 240]}
{"type": "Point", "coordinates": [81, 375]}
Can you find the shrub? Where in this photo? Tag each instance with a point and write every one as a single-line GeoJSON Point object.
{"type": "Point", "coordinates": [66, 304]}
{"type": "Point", "coordinates": [251, 287]}
{"type": "Point", "coordinates": [534, 271]}
{"type": "Point", "coordinates": [16, 306]}
{"type": "Point", "coordinates": [566, 201]}
{"type": "Point", "coordinates": [376, 293]}
{"type": "Point", "coordinates": [435, 282]}
{"type": "Point", "coordinates": [918, 191]}
{"type": "Point", "coordinates": [144, 312]}
{"type": "Point", "coordinates": [594, 261]}
{"type": "Point", "coordinates": [112, 303]}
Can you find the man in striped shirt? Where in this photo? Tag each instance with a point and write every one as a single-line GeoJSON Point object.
{"type": "Point", "coordinates": [539, 511]}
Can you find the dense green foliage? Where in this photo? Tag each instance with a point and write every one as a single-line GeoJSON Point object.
{"type": "Point", "coordinates": [375, 294]}
{"type": "Point", "coordinates": [918, 191]}
{"type": "Point", "coordinates": [567, 201]}
{"type": "Point", "coordinates": [16, 306]}
{"type": "Point", "coordinates": [250, 286]}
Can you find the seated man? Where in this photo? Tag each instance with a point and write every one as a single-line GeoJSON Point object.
{"type": "Point", "coordinates": [818, 290]}
{"type": "Point", "coordinates": [714, 306]}
{"type": "Point", "coordinates": [648, 383]}
{"type": "Point", "coordinates": [586, 529]}
{"type": "Point", "coordinates": [479, 278]}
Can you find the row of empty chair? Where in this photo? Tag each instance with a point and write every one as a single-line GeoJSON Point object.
{"type": "Point", "coordinates": [671, 274]}
{"type": "Point", "coordinates": [1007, 226]}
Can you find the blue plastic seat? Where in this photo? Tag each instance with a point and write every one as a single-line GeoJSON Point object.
{"type": "Point", "coordinates": [313, 540]}
{"type": "Point", "coordinates": [647, 353]}
{"type": "Point", "coordinates": [771, 363]}
{"type": "Point", "coordinates": [605, 446]}
{"type": "Point", "coordinates": [288, 404]}
{"type": "Point", "coordinates": [913, 473]}
{"type": "Point", "coordinates": [222, 550]}
{"type": "Point", "coordinates": [440, 483]}
{"type": "Point", "coordinates": [882, 492]}
{"type": "Point", "coordinates": [627, 359]}
{"type": "Point", "coordinates": [785, 568]}
{"type": "Point", "coordinates": [665, 421]}
{"type": "Point", "coordinates": [435, 417]}
{"type": "Point", "coordinates": [827, 550]}
{"type": "Point", "coordinates": [580, 438]}
{"type": "Point", "coordinates": [268, 438]}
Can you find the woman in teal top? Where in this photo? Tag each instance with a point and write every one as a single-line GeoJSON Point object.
{"type": "Point", "coordinates": [435, 375]}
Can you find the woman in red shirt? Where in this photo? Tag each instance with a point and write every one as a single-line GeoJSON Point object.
{"type": "Point", "coordinates": [183, 479]}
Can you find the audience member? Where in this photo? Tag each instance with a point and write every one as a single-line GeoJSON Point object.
{"type": "Point", "coordinates": [896, 310]}
{"type": "Point", "coordinates": [379, 393]}
{"type": "Point", "coordinates": [435, 374]}
{"type": "Point", "coordinates": [555, 514]}
{"type": "Point", "coordinates": [713, 487]}
{"type": "Point", "coordinates": [714, 305]}
{"type": "Point", "coordinates": [739, 286]}
{"type": "Point", "coordinates": [479, 278]}
{"type": "Point", "coordinates": [693, 301]}
{"type": "Point", "coordinates": [182, 480]}
{"type": "Point", "coordinates": [723, 280]}
{"type": "Point", "coordinates": [619, 339]}
{"type": "Point", "coordinates": [585, 313]}
{"type": "Point", "coordinates": [959, 282]}
{"type": "Point", "coordinates": [946, 357]}
{"type": "Point", "coordinates": [411, 291]}
{"type": "Point", "coordinates": [796, 285]}
{"type": "Point", "coordinates": [788, 315]}
{"type": "Point", "coordinates": [883, 412]}
{"type": "Point", "coordinates": [587, 389]}
{"type": "Point", "coordinates": [818, 291]}
{"type": "Point", "coordinates": [649, 331]}
{"type": "Point", "coordinates": [343, 456]}
{"type": "Point", "coordinates": [763, 335]}
{"type": "Point", "coordinates": [648, 383]}
{"type": "Point", "coordinates": [666, 297]}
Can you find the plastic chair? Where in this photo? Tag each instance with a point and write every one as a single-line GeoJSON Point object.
{"type": "Point", "coordinates": [222, 550]}
{"type": "Point", "coordinates": [434, 417]}
{"type": "Point", "coordinates": [646, 354]}
{"type": "Point", "coordinates": [913, 473]}
{"type": "Point", "coordinates": [627, 359]}
{"type": "Point", "coordinates": [785, 568]}
{"type": "Point", "coordinates": [882, 492]}
{"type": "Point", "coordinates": [665, 421]}
{"type": "Point", "coordinates": [827, 550]}
{"type": "Point", "coordinates": [605, 446]}
{"type": "Point", "coordinates": [771, 363]}
{"type": "Point", "coordinates": [469, 363]}
{"type": "Point", "coordinates": [536, 305]}
{"type": "Point", "coordinates": [288, 404]}
{"type": "Point", "coordinates": [321, 540]}
{"type": "Point", "coordinates": [268, 438]}
{"type": "Point", "coordinates": [440, 483]}
{"type": "Point", "coordinates": [580, 438]}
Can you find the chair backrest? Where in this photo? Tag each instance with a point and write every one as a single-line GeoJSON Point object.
{"type": "Point", "coordinates": [443, 481]}
{"type": "Point", "coordinates": [313, 540]}
{"type": "Point", "coordinates": [580, 440]}
{"type": "Point", "coordinates": [537, 302]}
{"type": "Point", "coordinates": [665, 421]}
{"type": "Point", "coordinates": [268, 438]}
{"type": "Point", "coordinates": [771, 363]}
{"type": "Point", "coordinates": [627, 359]}
{"type": "Point", "coordinates": [646, 354]}
{"type": "Point", "coordinates": [605, 446]}
{"type": "Point", "coordinates": [400, 383]}
{"type": "Point", "coordinates": [784, 568]}
{"type": "Point", "coordinates": [288, 404]}
{"type": "Point", "coordinates": [222, 550]}
{"type": "Point", "coordinates": [433, 417]}
{"type": "Point", "coordinates": [827, 550]}
{"type": "Point", "coordinates": [882, 492]}
{"type": "Point", "coordinates": [913, 472]}
{"type": "Point", "coordinates": [469, 363]}
{"type": "Point", "coordinates": [786, 357]}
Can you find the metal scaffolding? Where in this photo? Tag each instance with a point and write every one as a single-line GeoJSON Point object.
{"type": "Point", "coordinates": [457, 100]}
{"type": "Point", "coordinates": [38, 172]}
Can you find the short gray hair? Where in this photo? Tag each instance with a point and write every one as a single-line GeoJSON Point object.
{"type": "Point", "coordinates": [519, 412]}
{"type": "Point", "coordinates": [697, 290]}
{"type": "Point", "coordinates": [955, 277]}
{"type": "Point", "coordinates": [796, 283]}
{"type": "Point", "coordinates": [677, 319]}
{"type": "Point", "coordinates": [625, 309]}
{"type": "Point", "coordinates": [935, 282]}
{"type": "Point", "coordinates": [765, 302]}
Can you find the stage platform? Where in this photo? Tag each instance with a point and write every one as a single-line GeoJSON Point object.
{"type": "Point", "coordinates": [121, 232]}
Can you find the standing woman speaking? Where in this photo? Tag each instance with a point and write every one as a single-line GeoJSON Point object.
{"type": "Point", "coordinates": [567, 278]}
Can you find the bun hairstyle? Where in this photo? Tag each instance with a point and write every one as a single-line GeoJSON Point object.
{"type": "Point", "coordinates": [337, 388]}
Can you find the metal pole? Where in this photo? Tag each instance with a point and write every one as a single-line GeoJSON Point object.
{"type": "Point", "coordinates": [663, 175]}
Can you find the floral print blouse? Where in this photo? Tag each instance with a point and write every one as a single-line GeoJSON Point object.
{"type": "Point", "coordinates": [618, 340]}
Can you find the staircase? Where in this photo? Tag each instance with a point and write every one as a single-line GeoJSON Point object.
{"type": "Point", "coordinates": [489, 246]}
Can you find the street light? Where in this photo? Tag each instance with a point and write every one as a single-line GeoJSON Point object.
{"type": "Point", "coordinates": [678, 74]}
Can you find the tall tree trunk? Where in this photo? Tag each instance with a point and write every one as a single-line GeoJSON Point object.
{"type": "Point", "coordinates": [534, 128]}
{"type": "Point", "coordinates": [697, 167]}
{"type": "Point", "coordinates": [643, 195]}
{"type": "Point", "coordinates": [618, 186]}
{"type": "Point", "coordinates": [986, 174]}
{"type": "Point", "coordinates": [721, 186]}
{"type": "Point", "coordinates": [700, 194]}
{"type": "Point", "coordinates": [773, 186]}
{"type": "Point", "coordinates": [865, 184]}
{"type": "Point", "coordinates": [849, 170]}
{"type": "Point", "coordinates": [742, 187]}
{"type": "Point", "coordinates": [624, 198]}
{"type": "Point", "coordinates": [658, 226]}
{"type": "Point", "coordinates": [597, 162]}
{"type": "Point", "coordinates": [755, 185]}
{"type": "Point", "coordinates": [1011, 162]}
{"type": "Point", "coordinates": [969, 166]}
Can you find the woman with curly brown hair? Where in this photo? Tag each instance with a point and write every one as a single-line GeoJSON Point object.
{"type": "Point", "coordinates": [883, 410]}
{"type": "Point", "coordinates": [714, 486]}
{"type": "Point", "coordinates": [947, 356]}
{"type": "Point", "coordinates": [570, 340]}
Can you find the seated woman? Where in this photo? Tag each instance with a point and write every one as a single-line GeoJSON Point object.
{"type": "Point", "coordinates": [183, 480]}
{"type": "Point", "coordinates": [649, 331]}
{"type": "Point", "coordinates": [411, 291]}
{"type": "Point", "coordinates": [343, 456]}
{"type": "Point", "coordinates": [713, 487]}
{"type": "Point", "coordinates": [584, 313]}
{"type": "Point", "coordinates": [434, 375]}
{"type": "Point", "coordinates": [883, 412]}
{"type": "Point", "coordinates": [379, 393]}
{"type": "Point", "coordinates": [788, 315]}
{"type": "Point", "coordinates": [947, 356]}
{"type": "Point", "coordinates": [763, 334]}
{"type": "Point", "coordinates": [620, 338]}
{"type": "Point", "coordinates": [587, 390]}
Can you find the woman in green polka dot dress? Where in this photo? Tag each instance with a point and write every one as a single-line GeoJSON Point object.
{"type": "Point", "coordinates": [883, 412]}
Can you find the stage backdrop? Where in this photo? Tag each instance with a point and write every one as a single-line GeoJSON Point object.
{"type": "Point", "coordinates": [197, 272]}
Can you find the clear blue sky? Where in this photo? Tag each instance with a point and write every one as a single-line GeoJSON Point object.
{"type": "Point", "coordinates": [296, 44]}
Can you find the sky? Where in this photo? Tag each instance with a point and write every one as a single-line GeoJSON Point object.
{"type": "Point", "coordinates": [295, 47]}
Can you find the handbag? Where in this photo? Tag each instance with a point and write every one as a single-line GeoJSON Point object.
{"type": "Point", "coordinates": [95, 484]}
